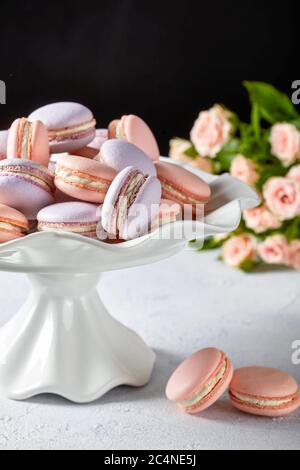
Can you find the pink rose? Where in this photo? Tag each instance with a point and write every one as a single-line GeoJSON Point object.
{"type": "Point", "coordinates": [177, 151]}
{"type": "Point", "coordinates": [294, 259]}
{"type": "Point", "coordinates": [285, 143]}
{"type": "Point", "coordinates": [212, 131]}
{"type": "Point", "coordinates": [274, 250]}
{"type": "Point", "coordinates": [244, 169]}
{"type": "Point", "coordinates": [294, 173]}
{"type": "Point", "coordinates": [261, 219]}
{"type": "Point", "coordinates": [239, 249]}
{"type": "Point", "coordinates": [282, 196]}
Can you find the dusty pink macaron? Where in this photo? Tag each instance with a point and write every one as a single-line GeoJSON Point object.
{"type": "Point", "coordinates": [26, 186]}
{"type": "Point", "coordinates": [131, 204]}
{"type": "Point", "coordinates": [28, 141]}
{"type": "Point", "coordinates": [71, 126]}
{"type": "Point", "coordinates": [83, 179]}
{"type": "Point", "coordinates": [181, 185]}
{"type": "Point", "coordinates": [133, 129]}
{"type": "Point", "coordinates": [77, 217]}
{"type": "Point", "coordinates": [264, 392]}
{"type": "Point", "coordinates": [200, 380]}
{"type": "Point", "coordinates": [3, 144]}
{"type": "Point", "coordinates": [13, 224]}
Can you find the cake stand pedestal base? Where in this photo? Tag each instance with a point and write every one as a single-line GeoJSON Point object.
{"type": "Point", "coordinates": [63, 341]}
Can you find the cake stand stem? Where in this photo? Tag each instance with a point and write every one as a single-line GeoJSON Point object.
{"type": "Point", "coordinates": [64, 341]}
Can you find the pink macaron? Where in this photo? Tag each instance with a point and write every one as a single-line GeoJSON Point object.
{"type": "Point", "coordinates": [71, 126]}
{"type": "Point", "coordinates": [182, 186]}
{"type": "Point", "coordinates": [26, 186]}
{"type": "Point", "coordinates": [28, 141]}
{"type": "Point", "coordinates": [200, 380]}
{"type": "Point", "coordinates": [82, 178]}
{"type": "Point", "coordinates": [264, 392]}
{"type": "Point", "coordinates": [131, 204]}
{"type": "Point", "coordinates": [13, 224]}
{"type": "Point", "coordinates": [3, 144]}
{"type": "Point", "coordinates": [77, 217]}
{"type": "Point", "coordinates": [133, 129]}
{"type": "Point", "coordinates": [119, 154]}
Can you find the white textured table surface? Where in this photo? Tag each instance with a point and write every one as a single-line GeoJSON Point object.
{"type": "Point", "coordinates": [178, 306]}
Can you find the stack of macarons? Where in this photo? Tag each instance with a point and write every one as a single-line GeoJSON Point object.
{"type": "Point", "coordinates": [59, 173]}
{"type": "Point", "coordinates": [204, 377]}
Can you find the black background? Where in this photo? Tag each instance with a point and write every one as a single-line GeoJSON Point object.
{"type": "Point", "coordinates": [164, 60]}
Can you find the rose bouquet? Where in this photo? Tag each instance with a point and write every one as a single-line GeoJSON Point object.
{"type": "Point", "coordinates": [264, 154]}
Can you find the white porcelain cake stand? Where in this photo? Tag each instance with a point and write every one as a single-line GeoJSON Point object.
{"type": "Point", "coordinates": [63, 340]}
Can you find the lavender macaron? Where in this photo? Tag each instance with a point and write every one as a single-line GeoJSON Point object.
{"type": "Point", "coordinates": [26, 186]}
{"type": "Point", "coordinates": [131, 204]}
{"type": "Point", "coordinates": [81, 218]}
{"type": "Point", "coordinates": [71, 126]}
{"type": "Point", "coordinates": [119, 154]}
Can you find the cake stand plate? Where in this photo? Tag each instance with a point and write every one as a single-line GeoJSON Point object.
{"type": "Point", "coordinates": [63, 340]}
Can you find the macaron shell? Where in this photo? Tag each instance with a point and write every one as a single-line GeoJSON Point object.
{"type": "Point", "coordinates": [9, 236]}
{"type": "Point", "coordinates": [263, 382]}
{"type": "Point", "coordinates": [112, 129]}
{"type": "Point", "coordinates": [216, 393]}
{"type": "Point", "coordinates": [62, 115]}
{"type": "Point", "coordinates": [87, 152]}
{"type": "Point", "coordinates": [3, 144]}
{"type": "Point", "coordinates": [119, 154]}
{"type": "Point", "coordinates": [138, 133]}
{"type": "Point", "coordinates": [39, 142]}
{"type": "Point", "coordinates": [59, 116]}
{"type": "Point", "coordinates": [70, 212]}
{"type": "Point", "coordinates": [186, 182]}
{"type": "Point", "coordinates": [138, 223]}
{"type": "Point", "coordinates": [13, 214]}
{"type": "Point", "coordinates": [71, 144]}
{"type": "Point", "coordinates": [195, 372]}
{"type": "Point", "coordinates": [88, 168]}
{"type": "Point", "coordinates": [100, 138]}
{"type": "Point", "coordinates": [23, 195]}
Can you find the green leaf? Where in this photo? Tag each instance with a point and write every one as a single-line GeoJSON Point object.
{"type": "Point", "coordinates": [292, 231]}
{"type": "Point", "coordinates": [211, 244]}
{"type": "Point", "coordinates": [255, 120]}
{"type": "Point", "coordinates": [228, 153]}
{"type": "Point", "coordinates": [191, 152]}
{"type": "Point", "coordinates": [273, 105]}
{"type": "Point", "coordinates": [269, 172]}
{"type": "Point", "coordinates": [248, 265]}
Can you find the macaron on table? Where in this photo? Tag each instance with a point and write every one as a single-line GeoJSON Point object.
{"type": "Point", "coordinates": [63, 340]}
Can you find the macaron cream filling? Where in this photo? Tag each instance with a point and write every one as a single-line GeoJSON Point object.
{"type": "Point", "coordinates": [125, 199]}
{"type": "Point", "coordinates": [73, 228]}
{"type": "Point", "coordinates": [205, 391]}
{"type": "Point", "coordinates": [119, 130]}
{"type": "Point", "coordinates": [11, 227]}
{"type": "Point", "coordinates": [78, 130]}
{"type": "Point", "coordinates": [25, 139]}
{"type": "Point", "coordinates": [170, 190]}
{"type": "Point", "coordinates": [261, 402]}
{"type": "Point", "coordinates": [80, 179]}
